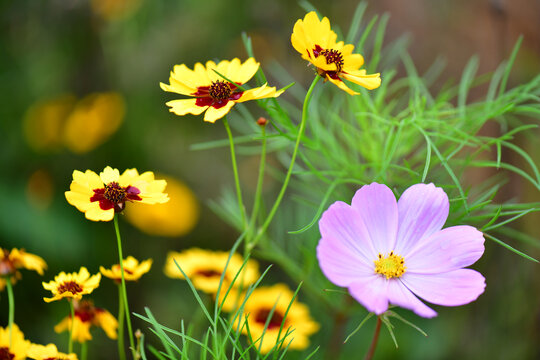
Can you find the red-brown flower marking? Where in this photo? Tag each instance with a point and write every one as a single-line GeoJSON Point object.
{"type": "Point", "coordinates": [5, 354]}
{"type": "Point", "coordinates": [275, 322]}
{"type": "Point", "coordinates": [217, 95]}
{"type": "Point", "coordinates": [332, 57]}
{"type": "Point", "coordinates": [115, 196]}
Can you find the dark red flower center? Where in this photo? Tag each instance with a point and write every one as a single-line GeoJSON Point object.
{"type": "Point", "coordinates": [5, 354]}
{"type": "Point", "coordinates": [208, 273]}
{"type": "Point", "coordinates": [275, 322]}
{"type": "Point", "coordinates": [115, 196]}
{"type": "Point", "coordinates": [7, 266]}
{"type": "Point", "coordinates": [70, 286]}
{"type": "Point", "coordinates": [86, 311]}
{"type": "Point", "coordinates": [218, 94]}
{"type": "Point", "coordinates": [114, 192]}
{"type": "Point", "coordinates": [332, 57]}
{"type": "Point", "coordinates": [220, 90]}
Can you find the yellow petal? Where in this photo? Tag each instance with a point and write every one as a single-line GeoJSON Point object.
{"type": "Point", "coordinates": [213, 114]}
{"type": "Point", "coordinates": [185, 106]}
{"type": "Point", "coordinates": [340, 84]}
{"type": "Point", "coordinates": [109, 175]}
{"type": "Point", "coordinates": [246, 71]}
{"type": "Point", "coordinates": [370, 82]}
{"type": "Point", "coordinates": [95, 213]}
{"type": "Point", "coordinates": [259, 93]}
{"type": "Point", "coordinates": [352, 62]}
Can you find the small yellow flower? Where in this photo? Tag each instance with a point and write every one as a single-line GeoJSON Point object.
{"type": "Point", "coordinates": [93, 120]}
{"type": "Point", "coordinates": [211, 92]}
{"type": "Point", "coordinates": [18, 348]}
{"type": "Point", "coordinates": [86, 316]}
{"type": "Point", "coordinates": [204, 269]}
{"type": "Point", "coordinates": [174, 218]}
{"type": "Point", "coordinates": [132, 270]}
{"type": "Point", "coordinates": [11, 261]}
{"type": "Point", "coordinates": [334, 61]}
{"type": "Point", "coordinates": [298, 322]}
{"type": "Point", "coordinates": [100, 197]}
{"type": "Point", "coordinates": [48, 352]}
{"type": "Point", "coordinates": [72, 285]}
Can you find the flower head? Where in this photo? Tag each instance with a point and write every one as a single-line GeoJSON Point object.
{"type": "Point", "coordinates": [100, 197]}
{"type": "Point", "coordinates": [204, 268]}
{"type": "Point", "coordinates": [212, 93]}
{"type": "Point", "coordinates": [297, 325]}
{"type": "Point", "coordinates": [132, 270]}
{"type": "Point", "coordinates": [73, 285]}
{"type": "Point", "coordinates": [48, 352]}
{"type": "Point", "coordinates": [18, 348]}
{"type": "Point", "coordinates": [86, 316]}
{"type": "Point", "coordinates": [387, 252]}
{"type": "Point", "coordinates": [334, 61]}
{"type": "Point", "coordinates": [11, 261]}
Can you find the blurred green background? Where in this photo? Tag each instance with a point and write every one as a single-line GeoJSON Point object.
{"type": "Point", "coordinates": [60, 52]}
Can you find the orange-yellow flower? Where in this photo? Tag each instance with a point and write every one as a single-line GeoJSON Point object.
{"type": "Point", "coordinates": [212, 93]}
{"type": "Point", "coordinates": [132, 270]}
{"type": "Point", "coordinates": [11, 261]}
{"type": "Point", "coordinates": [86, 316]}
{"type": "Point", "coordinates": [334, 61]}
{"type": "Point", "coordinates": [100, 197]}
{"type": "Point", "coordinates": [204, 269]}
{"type": "Point", "coordinates": [49, 352]}
{"type": "Point", "coordinates": [297, 325]}
{"type": "Point", "coordinates": [72, 285]}
{"type": "Point", "coordinates": [18, 348]}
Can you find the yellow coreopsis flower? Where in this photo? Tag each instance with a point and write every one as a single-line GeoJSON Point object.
{"type": "Point", "coordinates": [101, 196]}
{"type": "Point", "coordinates": [298, 322]}
{"type": "Point", "coordinates": [204, 269]}
{"type": "Point", "coordinates": [334, 61]}
{"type": "Point", "coordinates": [18, 348]}
{"type": "Point", "coordinates": [11, 261]}
{"type": "Point", "coordinates": [132, 270]}
{"type": "Point", "coordinates": [86, 316]}
{"type": "Point", "coordinates": [48, 352]}
{"type": "Point", "coordinates": [212, 93]}
{"type": "Point", "coordinates": [72, 285]}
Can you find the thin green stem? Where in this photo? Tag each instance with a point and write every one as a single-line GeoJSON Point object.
{"type": "Point", "coordinates": [11, 301]}
{"type": "Point", "coordinates": [71, 324]}
{"type": "Point", "coordinates": [121, 312]}
{"type": "Point", "coordinates": [258, 190]}
{"type": "Point", "coordinates": [236, 177]}
{"type": "Point", "coordinates": [272, 212]}
{"type": "Point", "coordinates": [124, 292]}
{"type": "Point", "coordinates": [84, 350]}
{"type": "Point", "coordinates": [373, 345]}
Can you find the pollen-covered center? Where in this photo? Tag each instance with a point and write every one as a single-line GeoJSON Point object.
{"type": "Point", "coordinates": [220, 90]}
{"type": "Point", "coordinates": [333, 57]}
{"type": "Point", "coordinates": [5, 354]}
{"type": "Point", "coordinates": [114, 192]}
{"type": "Point", "coordinates": [70, 286]}
{"type": "Point", "coordinates": [390, 266]}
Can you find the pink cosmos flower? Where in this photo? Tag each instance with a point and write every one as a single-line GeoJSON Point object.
{"type": "Point", "coordinates": [387, 252]}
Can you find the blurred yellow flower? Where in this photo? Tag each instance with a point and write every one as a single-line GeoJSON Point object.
{"type": "Point", "coordinates": [86, 316]}
{"type": "Point", "coordinates": [45, 120]}
{"type": "Point", "coordinates": [72, 285]}
{"type": "Point", "coordinates": [18, 348]}
{"type": "Point", "coordinates": [48, 352]}
{"type": "Point", "coordinates": [334, 61]}
{"type": "Point", "coordinates": [11, 261]}
{"type": "Point", "coordinates": [176, 217]}
{"type": "Point", "coordinates": [298, 322]}
{"type": "Point", "coordinates": [40, 189]}
{"type": "Point", "coordinates": [100, 197]}
{"type": "Point", "coordinates": [93, 120]}
{"type": "Point", "coordinates": [204, 269]}
{"type": "Point", "coordinates": [210, 92]}
{"type": "Point", "coordinates": [115, 9]}
{"type": "Point", "coordinates": [132, 270]}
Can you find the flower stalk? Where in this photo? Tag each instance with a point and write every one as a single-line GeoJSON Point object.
{"type": "Point", "coordinates": [72, 312]}
{"type": "Point", "coordinates": [373, 345]}
{"type": "Point", "coordinates": [121, 313]}
{"type": "Point", "coordinates": [11, 301]}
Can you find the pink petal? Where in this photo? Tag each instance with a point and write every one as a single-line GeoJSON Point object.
{"type": "Point", "coordinates": [371, 292]}
{"type": "Point", "coordinates": [450, 249]}
{"type": "Point", "coordinates": [399, 295]}
{"type": "Point", "coordinates": [451, 288]}
{"type": "Point", "coordinates": [423, 209]}
{"type": "Point", "coordinates": [378, 209]}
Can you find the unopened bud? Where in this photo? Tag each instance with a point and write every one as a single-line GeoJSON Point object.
{"type": "Point", "coordinates": [262, 121]}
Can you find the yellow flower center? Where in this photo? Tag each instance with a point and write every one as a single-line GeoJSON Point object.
{"type": "Point", "coordinates": [390, 266]}
{"type": "Point", "coordinates": [70, 286]}
{"type": "Point", "coordinates": [333, 57]}
{"type": "Point", "coordinates": [220, 90]}
{"type": "Point", "coordinates": [114, 192]}
{"type": "Point", "coordinates": [5, 354]}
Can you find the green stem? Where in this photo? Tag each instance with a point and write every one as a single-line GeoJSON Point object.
{"type": "Point", "coordinates": [84, 350]}
{"type": "Point", "coordinates": [11, 301]}
{"type": "Point", "coordinates": [124, 292]}
{"type": "Point", "coordinates": [72, 323]}
{"type": "Point", "coordinates": [236, 176]}
{"type": "Point", "coordinates": [291, 165]}
{"type": "Point", "coordinates": [121, 312]}
{"type": "Point", "coordinates": [373, 345]}
{"type": "Point", "coordinates": [258, 190]}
